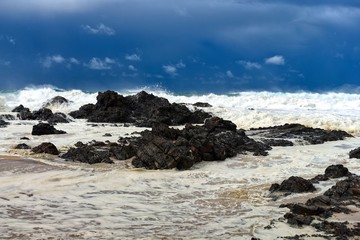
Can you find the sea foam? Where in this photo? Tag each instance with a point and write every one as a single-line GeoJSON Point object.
{"type": "Point", "coordinates": [247, 109]}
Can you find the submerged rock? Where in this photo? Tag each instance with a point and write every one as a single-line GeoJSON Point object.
{"type": "Point", "coordinates": [142, 109]}
{"type": "Point", "coordinates": [45, 129]}
{"type": "Point", "coordinates": [58, 100]}
{"type": "Point", "coordinates": [46, 147]}
{"type": "Point", "coordinates": [22, 146]}
{"type": "Point", "coordinates": [202, 104]}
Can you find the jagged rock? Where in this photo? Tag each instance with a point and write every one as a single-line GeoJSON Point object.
{"type": "Point", "coordinates": [216, 140]}
{"type": "Point", "coordinates": [142, 109]}
{"type": "Point", "coordinates": [3, 123]}
{"type": "Point", "coordinates": [19, 108]}
{"type": "Point", "coordinates": [293, 185]}
{"type": "Point", "coordinates": [348, 189]}
{"type": "Point", "coordinates": [45, 129]}
{"type": "Point", "coordinates": [87, 154]}
{"type": "Point", "coordinates": [43, 114]}
{"type": "Point", "coordinates": [277, 142]}
{"type": "Point", "coordinates": [22, 146]}
{"type": "Point", "coordinates": [46, 147]}
{"type": "Point", "coordinates": [355, 153]}
{"type": "Point", "coordinates": [58, 118]}
{"type": "Point", "coordinates": [8, 117]}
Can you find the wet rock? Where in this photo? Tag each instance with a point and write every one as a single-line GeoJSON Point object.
{"type": "Point", "coordinates": [3, 123]}
{"type": "Point", "coordinates": [142, 109]}
{"type": "Point", "coordinates": [24, 138]}
{"type": "Point", "coordinates": [277, 142]}
{"type": "Point", "coordinates": [58, 118]}
{"type": "Point", "coordinates": [107, 135]}
{"type": "Point", "coordinates": [22, 146]}
{"type": "Point", "coordinates": [293, 185]}
{"type": "Point", "coordinates": [7, 117]}
{"type": "Point", "coordinates": [45, 129]}
{"type": "Point", "coordinates": [333, 171]}
{"type": "Point", "coordinates": [348, 189]}
{"type": "Point", "coordinates": [20, 108]}
{"type": "Point", "coordinates": [122, 152]}
{"type": "Point", "coordinates": [58, 100]}
{"type": "Point", "coordinates": [43, 114]}
{"type": "Point", "coordinates": [216, 140]}
{"type": "Point", "coordinates": [87, 154]}
{"type": "Point", "coordinates": [355, 153]}
{"type": "Point", "coordinates": [298, 220]}
{"type": "Point", "coordinates": [202, 104]}
{"type": "Point", "coordinates": [301, 133]}
{"type": "Point", "coordinates": [46, 147]}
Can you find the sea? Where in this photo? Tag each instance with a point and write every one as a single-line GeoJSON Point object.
{"type": "Point", "coordinates": [44, 197]}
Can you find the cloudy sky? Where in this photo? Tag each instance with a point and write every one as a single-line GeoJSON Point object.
{"type": "Point", "coordinates": [185, 46]}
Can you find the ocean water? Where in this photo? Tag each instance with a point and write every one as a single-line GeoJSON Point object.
{"type": "Point", "coordinates": [43, 197]}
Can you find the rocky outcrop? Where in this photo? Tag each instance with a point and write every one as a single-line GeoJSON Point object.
{"type": "Point", "coordinates": [142, 109]}
{"type": "Point", "coordinates": [43, 114]}
{"type": "Point", "coordinates": [87, 154]}
{"type": "Point", "coordinates": [335, 200]}
{"type": "Point", "coordinates": [45, 129]}
{"type": "Point", "coordinates": [216, 140]}
{"type": "Point", "coordinates": [301, 134]}
{"type": "Point", "coordinates": [202, 104]}
{"type": "Point", "coordinates": [46, 147]}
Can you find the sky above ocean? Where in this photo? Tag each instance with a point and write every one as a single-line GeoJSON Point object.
{"type": "Point", "coordinates": [183, 46]}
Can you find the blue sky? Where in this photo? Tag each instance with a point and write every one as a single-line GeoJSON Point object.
{"type": "Point", "coordinates": [183, 46]}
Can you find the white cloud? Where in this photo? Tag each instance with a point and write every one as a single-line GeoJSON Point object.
{"type": "Point", "coordinates": [99, 64]}
{"type": "Point", "coordinates": [170, 69]}
{"type": "Point", "coordinates": [180, 65]}
{"type": "Point", "coordinates": [133, 57]}
{"type": "Point", "coordinates": [50, 60]}
{"type": "Point", "coordinates": [8, 38]}
{"type": "Point", "coordinates": [249, 65]}
{"type": "Point", "coordinates": [229, 74]}
{"type": "Point", "coordinates": [276, 60]}
{"type": "Point", "coordinates": [132, 68]}
{"type": "Point", "coordinates": [100, 29]}
{"type": "Point", "coordinates": [74, 61]}
{"type": "Point", "coordinates": [4, 63]}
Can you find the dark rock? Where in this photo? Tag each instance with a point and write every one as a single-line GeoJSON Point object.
{"type": "Point", "coordinates": [20, 108]}
{"type": "Point", "coordinates": [22, 146]}
{"type": "Point", "coordinates": [3, 123]}
{"type": "Point", "coordinates": [8, 117]}
{"type": "Point", "coordinates": [216, 140]}
{"type": "Point", "coordinates": [122, 152]}
{"type": "Point", "coordinates": [87, 154]}
{"type": "Point", "coordinates": [142, 109]}
{"type": "Point", "coordinates": [202, 104]}
{"type": "Point", "coordinates": [298, 220]}
{"type": "Point", "coordinates": [348, 189]}
{"type": "Point", "coordinates": [294, 185]}
{"type": "Point", "coordinates": [42, 114]}
{"type": "Point", "coordinates": [277, 142]}
{"type": "Point", "coordinates": [336, 171]}
{"type": "Point", "coordinates": [58, 100]}
{"type": "Point", "coordinates": [303, 209]}
{"type": "Point", "coordinates": [84, 112]}
{"type": "Point", "coordinates": [45, 129]}
{"type": "Point", "coordinates": [107, 135]}
{"type": "Point", "coordinates": [297, 131]}
{"type": "Point", "coordinates": [58, 118]}
{"type": "Point", "coordinates": [24, 138]}
{"type": "Point", "coordinates": [355, 153]}
{"type": "Point", "coordinates": [46, 147]}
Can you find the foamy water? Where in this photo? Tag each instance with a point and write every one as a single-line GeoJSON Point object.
{"type": "Point", "coordinates": [213, 200]}
{"type": "Point", "coordinates": [246, 109]}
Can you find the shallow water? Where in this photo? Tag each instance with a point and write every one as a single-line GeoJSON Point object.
{"type": "Point", "coordinates": [228, 199]}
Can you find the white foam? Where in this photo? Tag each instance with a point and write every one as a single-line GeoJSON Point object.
{"type": "Point", "coordinates": [247, 109]}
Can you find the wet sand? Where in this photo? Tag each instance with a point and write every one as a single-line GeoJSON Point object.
{"type": "Point", "coordinates": [16, 164]}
